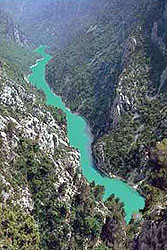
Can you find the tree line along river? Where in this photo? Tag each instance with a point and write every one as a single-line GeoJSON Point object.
{"type": "Point", "coordinates": [80, 137]}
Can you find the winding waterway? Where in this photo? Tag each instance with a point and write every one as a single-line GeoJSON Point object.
{"type": "Point", "coordinates": [80, 137]}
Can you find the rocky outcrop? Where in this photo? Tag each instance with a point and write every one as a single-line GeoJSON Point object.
{"type": "Point", "coordinates": [113, 72]}
{"type": "Point", "coordinates": [135, 109]}
{"type": "Point", "coordinates": [40, 177]}
{"type": "Point", "coordinates": [28, 120]}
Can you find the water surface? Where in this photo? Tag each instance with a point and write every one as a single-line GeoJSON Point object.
{"type": "Point", "coordinates": [80, 137]}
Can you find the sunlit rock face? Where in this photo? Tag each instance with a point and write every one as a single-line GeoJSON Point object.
{"type": "Point", "coordinates": [109, 64]}
{"type": "Point", "coordinates": [22, 117]}
{"type": "Point", "coordinates": [42, 189]}
{"type": "Point", "coordinates": [116, 78]}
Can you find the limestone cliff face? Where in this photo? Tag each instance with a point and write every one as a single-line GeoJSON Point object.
{"type": "Point", "coordinates": [138, 109]}
{"type": "Point", "coordinates": [46, 202]}
{"type": "Point", "coordinates": [121, 90]}
{"type": "Point", "coordinates": [28, 120]}
{"type": "Point", "coordinates": [27, 123]}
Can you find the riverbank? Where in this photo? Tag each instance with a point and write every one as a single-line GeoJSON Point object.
{"type": "Point", "coordinates": [80, 138]}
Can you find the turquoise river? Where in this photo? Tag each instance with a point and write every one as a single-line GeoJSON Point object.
{"type": "Point", "coordinates": [80, 137]}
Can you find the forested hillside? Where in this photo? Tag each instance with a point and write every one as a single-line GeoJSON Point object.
{"type": "Point", "coordinates": [114, 73]}
{"type": "Point", "coordinates": [14, 46]}
{"type": "Point", "coordinates": [86, 72]}
{"type": "Point", "coordinates": [45, 202]}
{"type": "Point", "coordinates": [109, 65]}
{"type": "Point", "coordinates": [51, 22]}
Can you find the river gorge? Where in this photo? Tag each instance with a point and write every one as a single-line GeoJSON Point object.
{"type": "Point", "coordinates": [80, 137]}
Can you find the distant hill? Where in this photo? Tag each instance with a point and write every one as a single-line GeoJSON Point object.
{"type": "Point", "coordinates": [49, 22]}
{"type": "Point", "coordinates": [14, 46]}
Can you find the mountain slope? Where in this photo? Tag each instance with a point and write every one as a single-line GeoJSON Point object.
{"type": "Point", "coordinates": [138, 111]}
{"type": "Point", "coordinates": [14, 46]}
{"type": "Point", "coordinates": [109, 73]}
{"type": "Point", "coordinates": [51, 22]}
{"type": "Point", "coordinates": [44, 198]}
{"type": "Point", "coordinates": [112, 70]}
{"type": "Point", "coordinates": [86, 71]}
{"type": "Point", "coordinates": [114, 74]}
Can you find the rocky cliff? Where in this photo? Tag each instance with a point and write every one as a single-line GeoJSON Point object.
{"type": "Point", "coordinates": [46, 202]}
{"type": "Point", "coordinates": [111, 68]}
{"type": "Point", "coordinates": [139, 109]}
{"type": "Point", "coordinates": [114, 74]}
